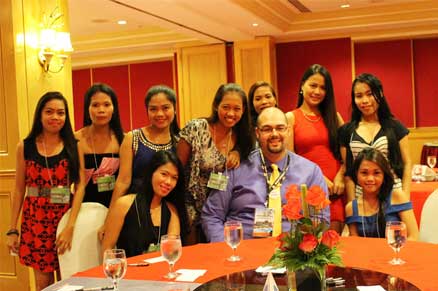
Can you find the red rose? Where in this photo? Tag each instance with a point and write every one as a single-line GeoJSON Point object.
{"type": "Point", "coordinates": [281, 239]}
{"type": "Point", "coordinates": [316, 197]}
{"type": "Point", "coordinates": [292, 192]}
{"type": "Point", "coordinates": [292, 210]}
{"type": "Point", "coordinates": [309, 243]}
{"type": "Point", "coordinates": [330, 238]}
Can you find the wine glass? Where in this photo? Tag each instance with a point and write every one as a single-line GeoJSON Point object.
{"type": "Point", "coordinates": [431, 161]}
{"type": "Point", "coordinates": [171, 249]}
{"type": "Point", "coordinates": [235, 281]}
{"type": "Point", "coordinates": [396, 234]}
{"type": "Point", "coordinates": [233, 234]}
{"type": "Point", "coordinates": [114, 265]}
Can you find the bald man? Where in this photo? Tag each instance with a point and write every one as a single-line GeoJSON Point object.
{"type": "Point", "coordinates": [248, 187]}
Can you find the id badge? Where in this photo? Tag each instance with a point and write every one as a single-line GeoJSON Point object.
{"type": "Point", "coordinates": [217, 181]}
{"type": "Point", "coordinates": [263, 222]}
{"type": "Point", "coordinates": [60, 195]}
{"type": "Point", "coordinates": [153, 248]}
{"type": "Point", "coordinates": [105, 183]}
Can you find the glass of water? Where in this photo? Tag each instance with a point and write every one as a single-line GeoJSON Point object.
{"type": "Point", "coordinates": [396, 235]}
{"type": "Point", "coordinates": [431, 161]}
{"type": "Point", "coordinates": [171, 250]}
{"type": "Point", "coordinates": [233, 234]}
{"type": "Point", "coordinates": [114, 265]}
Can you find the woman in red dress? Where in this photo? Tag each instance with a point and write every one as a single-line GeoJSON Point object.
{"type": "Point", "coordinates": [47, 164]}
{"type": "Point", "coordinates": [314, 125]}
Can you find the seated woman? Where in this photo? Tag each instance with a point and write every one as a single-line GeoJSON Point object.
{"type": "Point", "coordinates": [137, 221]}
{"type": "Point", "coordinates": [367, 215]}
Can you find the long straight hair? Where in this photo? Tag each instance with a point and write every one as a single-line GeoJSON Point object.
{"type": "Point", "coordinates": [327, 107]}
{"type": "Point", "coordinates": [386, 119]}
{"type": "Point", "coordinates": [66, 132]}
{"type": "Point", "coordinates": [176, 196]}
{"type": "Point", "coordinates": [115, 124]}
{"type": "Point", "coordinates": [375, 156]}
{"type": "Point", "coordinates": [243, 128]}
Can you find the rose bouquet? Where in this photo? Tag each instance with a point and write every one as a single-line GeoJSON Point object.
{"type": "Point", "coordinates": [309, 243]}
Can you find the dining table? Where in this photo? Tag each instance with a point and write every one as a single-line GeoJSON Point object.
{"type": "Point", "coordinates": [420, 191]}
{"type": "Point", "coordinates": [420, 269]}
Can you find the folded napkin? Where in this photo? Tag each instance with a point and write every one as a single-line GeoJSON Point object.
{"type": "Point", "coordinates": [267, 269]}
{"type": "Point", "coordinates": [70, 288]}
{"type": "Point", "coordinates": [155, 260]}
{"type": "Point", "coordinates": [370, 288]}
{"type": "Point", "coordinates": [189, 275]}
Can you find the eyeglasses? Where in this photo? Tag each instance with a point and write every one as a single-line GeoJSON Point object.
{"type": "Point", "coordinates": [270, 129]}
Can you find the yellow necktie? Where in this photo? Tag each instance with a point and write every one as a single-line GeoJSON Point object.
{"type": "Point", "coordinates": [274, 201]}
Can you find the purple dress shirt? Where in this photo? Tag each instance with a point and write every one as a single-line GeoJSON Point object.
{"type": "Point", "coordinates": [247, 190]}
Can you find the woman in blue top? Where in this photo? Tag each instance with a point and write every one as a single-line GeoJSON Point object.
{"type": "Point", "coordinates": [367, 215]}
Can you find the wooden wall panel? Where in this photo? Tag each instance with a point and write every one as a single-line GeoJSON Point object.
{"type": "Point", "coordinates": [81, 83]}
{"type": "Point", "coordinates": [201, 70]}
{"type": "Point", "coordinates": [3, 120]}
{"type": "Point", "coordinates": [294, 58]}
{"type": "Point", "coordinates": [142, 77]}
{"type": "Point", "coordinates": [13, 275]}
{"type": "Point", "coordinates": [254, 60]}
{"type": "Point", "coordinates": [118, 78]}
{"type": "Point", "coordinates": [425, 56]}
{"type": "Point", "coordinates": [391, 62]}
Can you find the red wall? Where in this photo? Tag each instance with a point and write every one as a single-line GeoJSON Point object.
{"type": "Point", "coordinates": [117, 77]}
{"type": "Point", "coordinates": [130, 82]}
{"type": "Point", "coordinates": [143, 76]}
{"type": "Point", "coordinates": [426, 76]}
{"type": "Point", "coordinates": [81, 83]}
{"type": "Point", "coordinates": [390, 61]}
{"type": "Point", "coordinates": [294, 58]}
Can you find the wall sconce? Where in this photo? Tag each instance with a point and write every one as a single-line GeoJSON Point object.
{"type": "Point", "coordinates": [54, 45]}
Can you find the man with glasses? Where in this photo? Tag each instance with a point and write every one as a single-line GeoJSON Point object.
{"type": "Point", "coordinates": [250, 187]}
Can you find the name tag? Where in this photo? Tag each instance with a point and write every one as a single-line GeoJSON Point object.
{"type": "Point", "coordinates": [60, 195]}
{"type": "Point", "coordinates": [217, 181]}
{"type": "Point", "coordinates": [105, 183]}
{"type": "Point", "coordinates": [263, 222]}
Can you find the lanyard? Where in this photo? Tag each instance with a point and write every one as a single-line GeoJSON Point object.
{"type": "Point", "coordinates": [279, 179]}
{"type": "Point", "coordinates": [94, 149]}
{"type": "Point", "coordinates": [49, 170]}
{"type": "Point", "coordinates": [227, 150]}
{"type": "Point", "coordinates": [161, 219]}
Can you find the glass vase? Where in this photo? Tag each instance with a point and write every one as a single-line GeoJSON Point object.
{"type": "Point", "coordinates": [316, 275]}
{"type": "Point", "coordinates": [322, 278]}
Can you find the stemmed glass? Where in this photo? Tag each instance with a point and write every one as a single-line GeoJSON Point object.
{"type": "Point", "coordinates": [431, 161]}
{"type": "Point", "coordinates": [233, 234]}
{"type": "Point", "coordinates": [396, 234]}
{"type": "Point", "coordinates": [171, 250]}
{"type": "Point", "coordinates": [114, 265]}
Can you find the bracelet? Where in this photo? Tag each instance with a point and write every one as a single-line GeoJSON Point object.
{"type": "Point", "coordinates": [12, 231]}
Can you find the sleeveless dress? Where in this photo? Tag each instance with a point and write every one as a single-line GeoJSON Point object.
{"type": "Point", "coordinates": [91, 192]}
{"type": "Point", "coordinates": [40, 217]}
{"type": "Point", "coordinates": [311, 141]}
{"type": "Point", "coordinates": [367, 226]}
{"type": "Point", "coordinates": [204, 158]}
{"type": "Point", "coordinates": [143, 151]}
{"type": "Point", "coordinates": [138, 231]}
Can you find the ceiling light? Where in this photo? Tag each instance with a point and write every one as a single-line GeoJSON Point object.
{"type": "Point", "coordinates": [122, 22]}
{"type": "Point", "coordinates": [345, 6]}
{"type": "Point", "coordinates": [255, 24]}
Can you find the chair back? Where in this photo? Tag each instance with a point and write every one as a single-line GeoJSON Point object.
{"type": "Point", "coordinates": [85, 252]}
{"type": "Point", "coordinates": [428, 225]}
